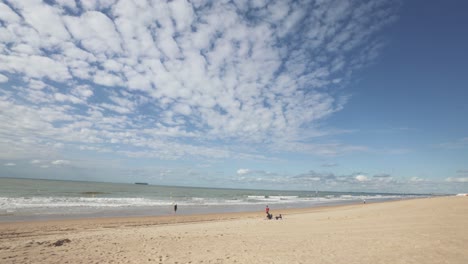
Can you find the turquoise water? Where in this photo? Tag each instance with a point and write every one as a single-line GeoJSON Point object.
{"type": "Point", "coordinates": [30, 199]}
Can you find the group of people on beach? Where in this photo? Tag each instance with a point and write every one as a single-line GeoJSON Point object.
{"type": "Point", "coordinates": [267, 211]}
{"type": "Point", "coordinates": [270, 216]}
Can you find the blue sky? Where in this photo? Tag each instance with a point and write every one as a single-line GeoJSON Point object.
{"type": "Point", "coordinates": [318, 95]}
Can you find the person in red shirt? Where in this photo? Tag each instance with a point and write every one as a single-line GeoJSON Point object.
{"type": "Point", "coordinates": [267, 210]}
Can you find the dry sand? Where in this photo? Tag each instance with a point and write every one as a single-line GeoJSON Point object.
{"type": "Point", "coordinates": [432, 230]}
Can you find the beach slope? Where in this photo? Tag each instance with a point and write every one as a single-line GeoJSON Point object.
{"type": "Point", "coordinates": [432, 230]}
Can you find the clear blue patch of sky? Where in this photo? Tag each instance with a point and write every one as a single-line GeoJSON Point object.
{"type": "Point", "coordinates": [418, 88]}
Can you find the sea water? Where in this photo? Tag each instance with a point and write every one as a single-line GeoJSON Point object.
{"type": "Point", "coordinates": [31, 199]}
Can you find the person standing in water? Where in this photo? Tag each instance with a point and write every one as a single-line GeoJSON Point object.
{"type": "Point", "coordinates": [175, 208]}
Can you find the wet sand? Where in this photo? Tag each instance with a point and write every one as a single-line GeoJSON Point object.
{"type": "Point", "coordinates": [430, 230]}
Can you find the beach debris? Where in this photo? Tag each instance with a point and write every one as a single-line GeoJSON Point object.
{"type": "Point", "coordinates": [60, 242]}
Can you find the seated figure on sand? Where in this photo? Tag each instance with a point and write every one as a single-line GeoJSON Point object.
{"type": "Point", "coordinates": [269, 216]}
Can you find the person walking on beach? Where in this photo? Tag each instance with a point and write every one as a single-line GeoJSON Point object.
{"type": "Point", "coordinates": [175, 208]}
{"type": "Point", "coordinates": [267, 210]}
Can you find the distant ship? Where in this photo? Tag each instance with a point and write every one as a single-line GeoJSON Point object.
{"type": "Point", "coordinates": [141, 183]}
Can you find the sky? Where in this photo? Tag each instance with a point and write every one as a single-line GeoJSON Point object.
{"type": "Point", "coordinates": [365, 95]}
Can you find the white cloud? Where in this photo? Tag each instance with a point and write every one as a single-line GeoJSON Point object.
{"type": "Point", "coordinates": [64, 98]}
{"type": "Point", "coordinates": [323, 181]}
{"type": "Point", "coordinates": [361, 178]}
{"type": "Point", "coordinates": [383, 179]}
{"type": "Point", "coordinates": [60, 162]}
{"type": "Point", "coordinates": [35, 66]}
{"type": "Point", "coordinates": [181, 77]}
{"type": "Point", "coordinates": [454, 179]}
{"type": "Point", "coordinates": [10, 164]}
{"type": "Point", "coordinates": [8, 15]}
{"type": "Point", "coordinates": [35, 161]}
{"type": "Point", "coordinates": [36, 84]}
{"type": "Point", "coordinates": [107, 79]}
{"type": "Point", "coordinates": [182, 13]}
{"type": "Point", "coordinates": [96, 32]}
{"type": "Point", "coordinates": [45, 19]}
{"type": "Point", "coordinates": [83, 91]}
{"type": "Point", "coordinates": [116, 108]}
{"type": "Point", "coordinates": [417, 179]}
{"type": "Point", "coordinates": [243, 171]}
{"type": "Point", "coordinates": [3, 78]}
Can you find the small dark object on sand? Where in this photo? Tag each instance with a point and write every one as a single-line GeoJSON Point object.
{"type": "Point", "coordinates": [60, 242]}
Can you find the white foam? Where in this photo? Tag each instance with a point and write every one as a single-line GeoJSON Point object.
{"type": "Point", "coordinates": [257, 197]}
{"type": "Point", "coordinates": [72, 203]}
{"type": "Point", "coordinates": [8, 203]}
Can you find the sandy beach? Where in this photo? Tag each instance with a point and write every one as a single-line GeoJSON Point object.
{"type": "Point", "coordinates": [431, 230]}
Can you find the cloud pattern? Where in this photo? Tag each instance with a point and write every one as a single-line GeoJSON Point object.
{"type": "Point", "coordinates": [357, 182]}
{"type": "Point", "coordinates": [168, 79]}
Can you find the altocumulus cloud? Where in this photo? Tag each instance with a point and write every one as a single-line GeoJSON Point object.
{"type": "Point", "coordinates": [169, 79]}
{"type": "Point", "coordinates": [358, 181]}
{"type": "Point", "coordinates": [60, 162]}
{"type": "Point", "coordinates": [324, 181]}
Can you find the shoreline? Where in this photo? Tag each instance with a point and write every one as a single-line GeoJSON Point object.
{"type": "Point", "coordinates": [174, 219]}
{"type": "Point", "coordinates": [177, 218]}
{"type": "Point", "coordinates": [54, 200]}
{"type": "Point", "coordinates": [190, 213]}
{"type": "Point", "coordinates": [420, 230]}
{"type": "Point", "coordinates": [161, 211]}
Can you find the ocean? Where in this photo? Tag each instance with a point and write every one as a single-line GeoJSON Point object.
{"type": "Point", "coordinates": [32, 199]}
